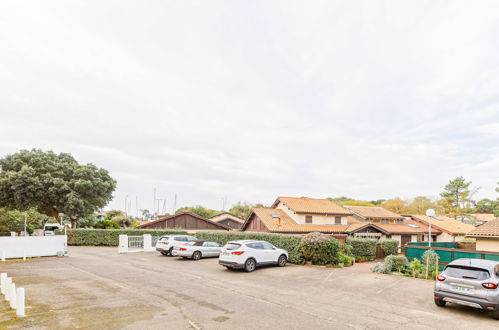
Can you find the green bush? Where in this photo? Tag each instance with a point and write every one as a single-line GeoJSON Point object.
{"type": "Point", "coordinates": [415, 268]}
{"type": "Point", "coordinates": [346, 260]}
{"type": "Point", "coordinates": [389, 246]}
{"type": "Point", "coordinates": [320, 249]}
{"type": "Point", "coordinates": [362, 248]}
{"type": "Point", "coordinates": [346, 249]}
{"type": "Point", "coordinates": [106, 224]}
{"type": "Point", "coordinates": [110, 237]}
{"type": "Point", "coordinates": [379, 267]}
{"type": "Point", "coordinates": [395, 263]}
{"type": "Point", "coordinates": [290, 243]}
{"type": "Point", "coordinates": [431, 264]}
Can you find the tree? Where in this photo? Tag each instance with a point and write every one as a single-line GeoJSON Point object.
{"type": "Point", "coordinates": [123, 221]}
{"type": "Point", "coordinates": [243, 210]}
{"type": "Point", "coordinates": [146, 215]}
{"type": "Point", "coordinates": [113, 213]}
{"type": "Point", "coordinates": [396, 205]}
{"type": "Point", "coordinates": [88, 221]}
{"type": "Point", "coordinates": [339, 200]}
{"type": "Point", "coordinates": [378, 201]}
{"type": "Point", "coordinates": [199, 210]}
{"type": "Point", "coordinates": [53, 183]}
{"type": "Point", "coordinates": [106, 224]}
{"type": "Point", "coordinates": [13, 220]}
{"type": "Point", "coordinates": [457, 193]}
{"type": "Point", "coordinates": [420, 204]}
{"type": "Point", "coordinates": [486, 205]}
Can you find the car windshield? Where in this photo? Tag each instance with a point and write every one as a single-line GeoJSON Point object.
{"type": "Point", "coordinates": [52, 228]}
{"type": "Point", "coordinates": [467, 272]}
{"type": "Point", "coordinates": [232, 246]}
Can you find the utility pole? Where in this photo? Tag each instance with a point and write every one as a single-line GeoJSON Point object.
{"type": "Point", "coordinates": [154, 206]}
{"type": "Point", "coordinates": [174, 204]}
{"type": "Point", "coordinates": [136, 206]}
{"type": "Point", "coordinates": [126, 203]}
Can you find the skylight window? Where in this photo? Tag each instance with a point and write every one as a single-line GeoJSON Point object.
{"type": "Point", "coordinates": [412, 225]}
{"type": "Point", "coordinates": [275, 216]}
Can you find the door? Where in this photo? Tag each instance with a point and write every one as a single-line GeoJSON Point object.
{"type": "Point", "coordinates": [404, 240]}
{"type": "Point", "coordinates": [270, 252]}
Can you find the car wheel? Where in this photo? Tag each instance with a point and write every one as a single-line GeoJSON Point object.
{"type": "Point", "coordinates": [250, 265]}
{"type": "Point", "coordinates": [495, 315]}
{"type": "Point", "coordinates": [196, 255]}
{"type": "Point", "coordinates": [281, 262]}
{"type": "Point", "coordinates": [164, 253]}
{"type": "Point", "coordinates": [170, 252]}
{"type": "Point", "coordinates": [439, 302]}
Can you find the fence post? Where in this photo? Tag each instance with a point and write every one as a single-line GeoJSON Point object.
{"type": "Point", "coordinates": [3, 255]}
{"type": "Point", "coordinates": [12, 296]}
{"type": "Point", "coordinates": [8, 282]}
{"type": "Point", "coordinates": [20, 302]}
{"type": "Point", "coordinates": [148, 243]}
{"type": "Point", "coordinates": [3, 278]}
{"type": "Point", "coordinates": [123, 244]}
{"type": "Point", "coordinates": [427, 265]}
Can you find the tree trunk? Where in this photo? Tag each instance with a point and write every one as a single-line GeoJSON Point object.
{"type": "Point", "coordinates": [73, 223]}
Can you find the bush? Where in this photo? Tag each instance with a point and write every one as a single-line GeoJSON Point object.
{"type": "Point", "coordinates": [346, 260]}
{"type": "Point", "coordinates": [346, 249]}
{"type": "Point", "coordinates": [362, 248]}
{"type": "Point", "coordinates": [320, 249]}
{"type": "Point", "coordinates": [110, 237]}
{"type": "Point", "coordinates": [415, 268]}
{"type": "Point", "coordinates": [379, 267]}
{"type": "Point", "coordinates": [106, 224]}
{"type": "Point", "coordinates": [395, 263]}
{"type": "Point", "coordinates": [290, 243]}
{"type": "Point", "coordinates": [389, 246]}
{"type": "Point", "coordinates": [432, 262]}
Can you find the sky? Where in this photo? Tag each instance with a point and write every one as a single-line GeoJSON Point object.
{"type": "Point", "coordinates": [231, 101]}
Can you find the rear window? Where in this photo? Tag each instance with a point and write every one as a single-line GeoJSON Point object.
{"type": "Point", "coordinates": [164, 239]}
{"type": "Point", "coordinates": [467, 272]}
{"type": "Point", "coordinates": [232, 246]}
{"type": "Point", "coordinates": [180, 239]}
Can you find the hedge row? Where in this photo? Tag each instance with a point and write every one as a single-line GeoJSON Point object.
{"type": "Point", "coordinates": [389, 246]}
{"type": "Point", "coordinates": [110, 237]}
{"type": "Point", "coordinates": [363, 248]}
{"type": "Point", "coordinates": [290, 243]}
{"type": "Point", "coordinates": [320, 249]}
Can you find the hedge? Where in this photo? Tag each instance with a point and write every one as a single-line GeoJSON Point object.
{"type": "Point", "coordinates": [363, 248]}
{"type": "Point", "coordinates": [110, 237]}
{"type": "Point", "coordinates": [389, 246]}
{"type": "Point", "coordinates": [290, 243]}
{"type": "Point", "coordinates": [320, 249]}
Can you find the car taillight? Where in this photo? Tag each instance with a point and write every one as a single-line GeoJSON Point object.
{"type": "Point", "coordinates": [441, 277]}
{"type": "Point", "coordinates": [183, 249]}
{"type": "Point", "coordinates": [238, 253]}
{"type": "Point", "coordinates": [490, 285]}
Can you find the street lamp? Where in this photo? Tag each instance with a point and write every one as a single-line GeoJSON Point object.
{"type": "Point", "coordinates": [430, 213]}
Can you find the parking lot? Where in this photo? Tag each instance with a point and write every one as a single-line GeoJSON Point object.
{"type": "Point", "coordinates": [97, 288]}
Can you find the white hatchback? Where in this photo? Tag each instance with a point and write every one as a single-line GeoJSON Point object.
{"type": "Point", "coordinates": [248, 254]}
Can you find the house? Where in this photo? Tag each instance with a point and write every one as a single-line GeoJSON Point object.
{"type": "Point", "coordinates": [377, 222]}
{"type": "Point", "coordinates": [451, 230]}
{"type": "Point", "coordinates": [482, 218]}
{"type": "Point", "coordinates": [486, 236]}
{"type": "Point", "coordinates": [185, 220]}
{"type": "Point", "coordinates": [228, 219]}
{"type": "Point", "coordinates": [300, 215]}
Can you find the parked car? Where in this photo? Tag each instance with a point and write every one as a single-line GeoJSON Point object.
{"type": "Point", "coordinates": [248, 254]}
{"type": "Point", "coordinates": [197, 250]}
{"type": "Point", "coordinates": [49, 228]}
{"type": "Point", "coordinates": [166, 244]}
{"type": "Point", "coordinates": [469, 282]}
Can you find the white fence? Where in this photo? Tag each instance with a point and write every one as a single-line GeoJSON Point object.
{"type": "Point", "coordinates": [33, 246]}
{"type": "Point", "coordinates": [15, 297]}
{"type": "Point", "coordinates": [135, 243]}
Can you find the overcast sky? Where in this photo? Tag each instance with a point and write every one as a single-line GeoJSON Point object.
{"type": "Point", "coordinates": [249, 100]}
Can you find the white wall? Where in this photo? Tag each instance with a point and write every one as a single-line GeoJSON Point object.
{"type": "Point", "coordinates": [483, 244]}
{"type": "Point", "coordinates": [33, 246]}
{"type": "Point", "coordinates": [316, 219]}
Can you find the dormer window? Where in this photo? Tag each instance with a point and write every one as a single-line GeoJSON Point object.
{"type": "Point", "coordinates": [308, 219]}
{"type": "Point", "coordinates": [337, 220]}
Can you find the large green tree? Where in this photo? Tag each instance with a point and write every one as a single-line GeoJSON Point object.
{"type": "Point", "coordinates": [457, 193]}
{"type": "Point", "coordinates": [243, 210]}
{"type": "Point", "coordinates": [53, 183]}
{"type": "Point", "coordinates": [14, 220]}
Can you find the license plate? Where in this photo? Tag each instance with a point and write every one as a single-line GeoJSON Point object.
{"type": "Point", "coordinates": [461, 288]}
{"type": "Point", "coordinates": [226, 253]}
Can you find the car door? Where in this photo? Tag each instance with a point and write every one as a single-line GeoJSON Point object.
{"type": "Point", "coordinates": [270, 252]}
{"type": "Point", "coordinates": [207, 249]}
{"type": "Point", "coordinates": [256, 251]}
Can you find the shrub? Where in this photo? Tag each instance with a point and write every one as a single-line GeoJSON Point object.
{"type": "Point", "coordinates": [362, 248]}
{"type": "Point", "coordinates": [110, 237]}
{"type": "Point", "coordinates": [389, 246]}
{"type": "Point", "coordinates": [106, 224]}
{"type": "Point", "coordinates": [415, 268]}
{"type": "Point", "coordinates": [395, 263]}
{"type": "Point", "coordinates": [346, 260]}
{"type": "Point", "coordinates": [432, 262]}
{"type": "Point", "coordinates": [320, 249]}
{"type": "Point", "coordinates": [346, 249]}
{"type": "Point", "coordinates": [379, 267]}
{"type": "Point", "coordinates": [290, 243]}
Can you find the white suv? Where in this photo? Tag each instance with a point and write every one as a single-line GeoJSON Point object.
{"type": "Point", "coordinates": [166, 244]}
{"type": "Point", "coordinates": [248, 255]}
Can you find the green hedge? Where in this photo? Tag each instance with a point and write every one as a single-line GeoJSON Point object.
{"type": "Point", "coordinates": [389, 246]}
{"type": "Point", "coordinates": [110, 237]}
{"type": "Point", "coordinates": [320, 249]}
{"type": "Point", "coordinates": [363, 248]}
{"type": "Point", "coordinates": [290, 243]}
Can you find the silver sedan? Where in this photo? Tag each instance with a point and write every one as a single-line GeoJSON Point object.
{"type": "Point", "coordinates": [197, 250]}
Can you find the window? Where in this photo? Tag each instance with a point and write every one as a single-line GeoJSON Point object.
{"type": "Point", "coordinates": [308, 219]}
{"type": "Point", "coordinates": [337, 220]}
{"type": "Point", "coordinates": [258, 246]}
{"type": "Point", "coordinates": [232, 246]}
{"type": "Point", "coordinates": [180, 239]}
{"type": "Point", "coordinates": [467, 272]}
{"type": "Point", "coordinates": [267, 246]}
{"type": "Point", "coordinates": [384, 221]}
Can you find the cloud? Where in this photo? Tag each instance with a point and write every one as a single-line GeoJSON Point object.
{"type": "Point", "coordinates": [250, 100]}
